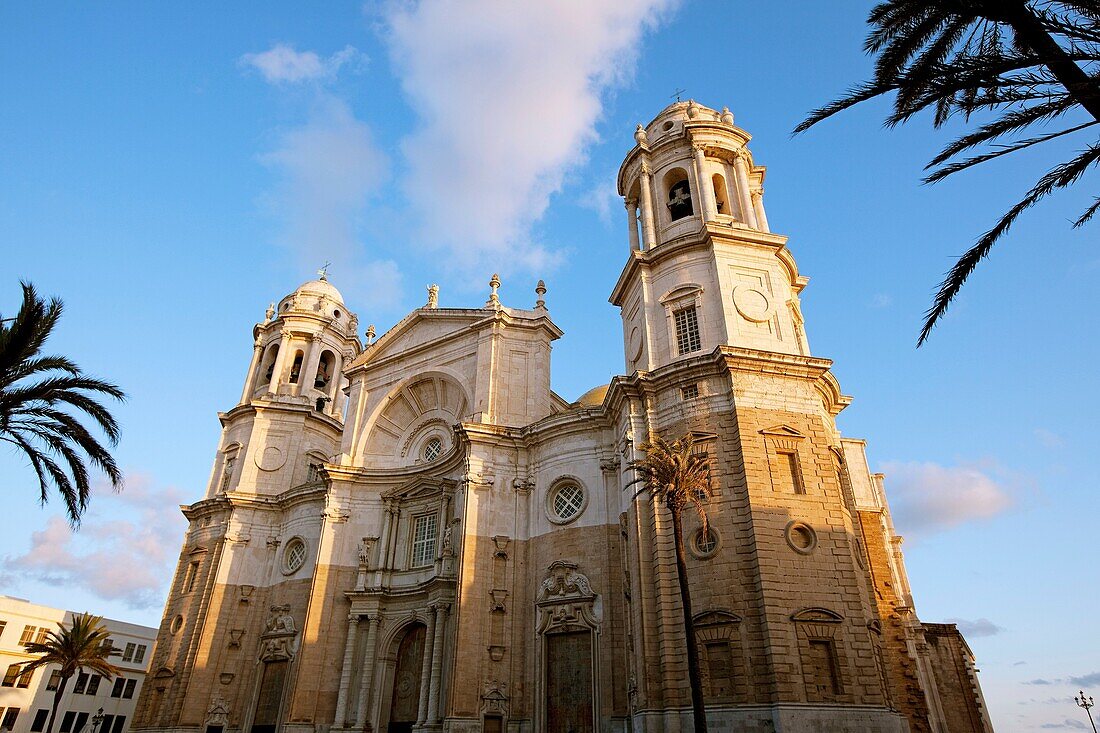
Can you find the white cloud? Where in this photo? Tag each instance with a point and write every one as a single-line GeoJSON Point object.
{"type": "Point", "coordinates": [1048, 438]}
{"type": "Point", "coordinates": [601, 198]}
{"type": "Point", "coordinates": [508, 95]}
{"type": "Point", "coordinates": [125, 549]}
{"type": "Point", "coordinates": [928, 497]}
{"type": "Point", "coordinates": [330, 168]}
{"type": "Point", "coordinates": [282, 64]}
{"type": "Point", "coordinates": [882, 300]}
{"type": "Point", "coordinates": [976, 628]}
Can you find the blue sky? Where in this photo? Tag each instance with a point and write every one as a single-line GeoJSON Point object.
{"type": "Point", "coordinates": [169, 170]}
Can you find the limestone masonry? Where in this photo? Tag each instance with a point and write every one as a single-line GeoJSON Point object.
{"type": "Point", "coordinates": [418, 534]}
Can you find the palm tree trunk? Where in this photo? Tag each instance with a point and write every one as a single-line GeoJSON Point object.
{"type": "Point", "coordinates": [1031, 33]}
{"type": "Point", "coordinates": [56, 703]}
{"type": "Point", "coordinates": [699, 712]}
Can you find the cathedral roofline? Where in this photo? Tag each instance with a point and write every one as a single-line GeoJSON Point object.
{"type": "Point", "coordinates": [477, 319]}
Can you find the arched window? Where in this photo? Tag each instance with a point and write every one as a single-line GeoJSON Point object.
{"type": "Point", "coordinates": [324, 370]}
{"type": "Point", "coordinates": [296, 367]}
{"type": "Point", "coordinates": [679, 194]}
{"type": "Point", "coordinates": [721, 199]}
{"type": "Point", "coordinates": [269, 363]}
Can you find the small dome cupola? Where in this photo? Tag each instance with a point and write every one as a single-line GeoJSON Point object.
{"type": "Point", "coordinates": [690, 168]}
{"type": "Point", "coordinates": [301, 347]}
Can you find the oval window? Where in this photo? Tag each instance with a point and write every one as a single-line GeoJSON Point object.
{"type": "Point", "coordinates": [294, 556]}
{"type": "Point", "coordinates": [566, 502]}
{"type": "Point", "coordinates": [432, 449]}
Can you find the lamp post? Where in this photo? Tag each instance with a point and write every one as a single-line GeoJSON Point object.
{"type": "Point", "coordinates": [1082, 702]}
{"type": "Point", "coordinates": [96, 720]}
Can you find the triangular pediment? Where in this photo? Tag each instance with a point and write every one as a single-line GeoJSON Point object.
{"type": "Point", "coordinates": [420, 488]}
{"type": "Point", "coordinates": [782, 431]}
{"type": "Point", "coordinates": [423, 328]}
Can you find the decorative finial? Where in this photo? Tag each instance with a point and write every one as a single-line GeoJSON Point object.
{"type": "Point", "coordinates": [370, 334]}
{"type": "Point", "coordinates": [677, 94]}
{"type": "Point", "coordinates": [641, 136]}
{"type": "Point", "coordinates": [727, 116]}
{"type": "Point", "coordinates": [269, 312]}
{"type": "Point", "coordinates": [494, 300]}
{"type": "Point", "coordinates": [540, 290]}
{"type": "Point", "coordinates": [433, 296]}
{"type": "Point", "coordinates": [692, 110]}
{"type": "Point", "coordinates": [322, 274]}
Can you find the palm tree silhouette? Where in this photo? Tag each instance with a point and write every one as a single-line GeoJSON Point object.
{"type": "Point", "coordinates": [38, 398]}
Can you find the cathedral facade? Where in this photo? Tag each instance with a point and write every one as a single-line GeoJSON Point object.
{"type": "Point", "coordinates": [415, 533]}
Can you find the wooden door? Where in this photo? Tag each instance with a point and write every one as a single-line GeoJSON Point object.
{"type": "Point", "coordinates": [569, 682]}
{"type": "Point", "coordinates": [271, 696]}
{"type": "Point", "coordinates": [405, 704]}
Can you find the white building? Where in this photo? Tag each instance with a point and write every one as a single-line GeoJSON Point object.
{"type": "Point", "coordinates": [26, 699]}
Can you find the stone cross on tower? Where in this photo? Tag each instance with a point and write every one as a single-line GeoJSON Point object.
{"type": "Point", "coordinates": [323, 272]}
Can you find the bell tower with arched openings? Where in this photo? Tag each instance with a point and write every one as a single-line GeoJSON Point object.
{"type": "Point", "coordinates": [295, 381]}
{"type": "Point", "coordinates": [704, 268]}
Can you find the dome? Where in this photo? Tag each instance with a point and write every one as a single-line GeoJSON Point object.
{"type": "Point", "coordinates": [320, 287]}
{"type": "Point", "coordinates": [593, 397]}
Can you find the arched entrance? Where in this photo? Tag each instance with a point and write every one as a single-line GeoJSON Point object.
{"type": "Point", "coordinates": [405, 702]}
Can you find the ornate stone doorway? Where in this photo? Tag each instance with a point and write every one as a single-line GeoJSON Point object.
{"type": "Point", "coordinates": [405, 703]}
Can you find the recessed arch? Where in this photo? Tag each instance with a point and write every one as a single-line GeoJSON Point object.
{"type": "Point", "coordinates": [677, 194]}
{"type": "Point", "coordinates": [424, 403]}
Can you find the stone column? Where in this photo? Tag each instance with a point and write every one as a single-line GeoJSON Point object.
{"type": "Point", "coordinates": [758, 209]}
{"type": "Point", "coordinates": [334, 381]}
{"type": "Point", "coordinates": [280, 363]}
{"type": "Point", "coordinates": [309, 365]}
{"type": "Point", "coordinates": [649, 230]}
{"type": "Point", "coordinates": [437, 661]}
{"type": "Point", "coordinates": [367, 676]}
{"type": "Point", "coordinates": [709, 209]}
{"type": "Point", "coordinates": [426, 666]}
{"type": "Point", "coordinates": [384, 547]}
{"type": "Point", "coordinates": [741, 166]}
{"type": "Point", "coordinates": [253, 371]}
{"type": "Point", "coordinates": [345, 673]}
{"type": "Point", "coordinates": [632, 223]}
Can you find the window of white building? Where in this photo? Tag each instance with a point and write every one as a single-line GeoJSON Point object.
{"type": "Point", "coordinates": [423, 541]}
{"type": "Point", "coordinates": [687, 330]}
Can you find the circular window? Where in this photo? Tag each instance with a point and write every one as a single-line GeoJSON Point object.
{"type": "Point", "coordinates": [177, 624]}
{"type": "Point", "coordinates": [336, 314]}
{"type": "Point", "coordinates": [294, 556]}
{"type": "Point", "coordinates": [566, 502]}
{"type": "Point", "coordinates": [801, 537]}
{"type": "Point", "coordinates": [432, 449]}
{"type": "Point", "coordinates": [705, 544]}
{"type": "Point", "coordinates": [667, 126]}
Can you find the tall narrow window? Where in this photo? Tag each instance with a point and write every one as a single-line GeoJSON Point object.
{"type": "Point", "coordinates": [129, 691]}
{"type": "Point", "coordinates": [81, 721]}
{"type": "Point", "coordinates": [139, 655]}
{"type": "Point", "coordinates": [81, 683]}
{"type": "Point", "coordinates": [423, 544]}
{"type": "Point", "coordinates": [296, 367]}
{"type": "Point", "coordinates": [67, 721]}
{"type": "Point", "coordinates": [105, 724]}
{"type": "Point", "coordinates": [9, 719]}
{"type": "Point", "coordinates": [120, 721]}
{"type": "Point", "coordinates": [128, 655]}
{"type": "Point", "coordinates": [790, 475]}
{"type": "Point", "coordinates": [687, 330]}
{"type": "Point", "coordinates": [116, 689]}
{"type": "Point", "coordinates": [3, 624]}
{"type": "Point", "coordinates": [25, 679]}
{"type": "Point", "coordinates": [55, 680]}
{"type": "Point", "coordinates": [42, 635]}
{"type": "Point", "coordinates": [93, 684]}
{"type": "Point", "coordinates": [28, 634]}
{"type": "Point", "coordinates": [189, 577]}
{"type": "Point", "coordinates": [39, 722]}
{"type": "Point", "coordinates": [679, 200]}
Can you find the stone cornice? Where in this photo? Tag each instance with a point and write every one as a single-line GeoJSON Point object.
{"type": "Point", "coordinates": [302, 405]}
{"type": "Point", "coordinates": [710, 235]}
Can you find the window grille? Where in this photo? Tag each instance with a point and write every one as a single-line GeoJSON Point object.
{"type": "Point", "coordinates": [139, 655]}
{"type": "Point", "coordinates": [687, 330]}
{"type": "Point", "coordinates": [28, 635]}
{"type": "Point", "coordinates": [568, 501]}
{"type": "Point", "coordinates": [689, 392]}
{"type": "Point", "coordinates": [423, 544]}
{"type": "Point", "coordinates": [10, 676]}
{"type": "Point", "coordinates": [129, 691]}
{"type": "Point", "coordinates": [432, 449]}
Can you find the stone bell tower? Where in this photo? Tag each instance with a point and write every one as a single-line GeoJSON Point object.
{"type": "Point", "coordinates": [704, 269]}
{"type": "Point", "coordinates": [294, 387]}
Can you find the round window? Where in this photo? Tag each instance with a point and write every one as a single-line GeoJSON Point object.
{"type": "Point", "coordinates": [432, 449]}
{"type": "Point", "coordinates": [566, 502]}
{"type": "Point", "coordinates": [177, 624]}
{"type": "Point", "coordinates": [336, 314]}
{"type": "Point", "coordinates": [294, 556]}
{"type": "Point", "coordinates": [705, 543]}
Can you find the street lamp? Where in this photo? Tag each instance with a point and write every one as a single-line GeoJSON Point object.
{"type": "Point", "coordinates": [97, 719]}
{"type": "Point", "coordinates": [1082, 702]}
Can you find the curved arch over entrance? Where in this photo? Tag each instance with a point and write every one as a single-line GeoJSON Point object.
{"type": "Point", "coordinates": [405, 700]}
